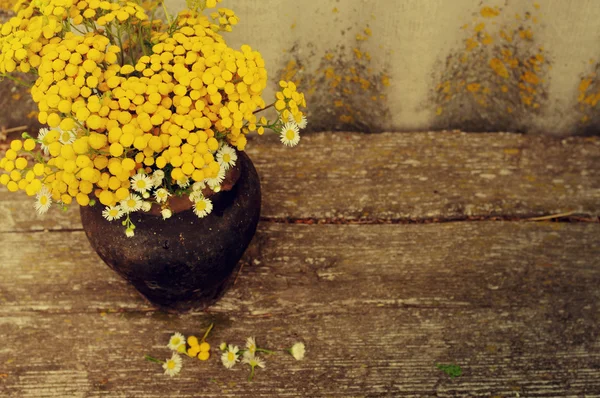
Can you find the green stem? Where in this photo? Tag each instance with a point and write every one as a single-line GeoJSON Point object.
{"type": "Point", "coordinates": [265, 351]}
{"type": "Point", "coordinates": [207, 332]}
{"type": "Point", "coordinates": [265, 108]}
{"type": "Point", "coordinates": [251, 374]}
{"type": "Point", "coordinates": [17, 80]}
{"type": "Point", "coordinates": [152, 359]}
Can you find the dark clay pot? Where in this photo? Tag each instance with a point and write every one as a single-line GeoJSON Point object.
{"type": "Point", "coordinates": [183, 263]}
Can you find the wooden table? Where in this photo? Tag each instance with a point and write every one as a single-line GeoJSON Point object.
{"type": "Point", "coordinates": [386, 254]}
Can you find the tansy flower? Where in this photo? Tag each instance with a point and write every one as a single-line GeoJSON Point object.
{"type": "Point", "coordinates": [112, 213]}
{"type": "Point", "coordinates": [131, 203]}
{"type": "Point", "coordinates": [66, 137]}
{"type": "Point", "coordinates": [172, 366]}
{"type": "Point", "coordinates": [175, 341]}
{"type": "Point", "coordinates": [161, 195]}
{"type": "Point", "coordinates": [43, 200]}
{"type": "Point", "coordinates": [166, 213]}
{"type": "Point", "coordinates": [41, 135]}
{"type": "Point", "coordinates": [290, 134]}
{"type": "Point", "coordinates": [303, 121]}
{"type": "Point", "coordinates": [202, 207]}
{"type": "Point", "coordinates": [141, 183]}
{"type": "Point", "coordinates": [297, 351]}
{"type": "Point", "coordinates": [230, 357]}
{"type": "Point", "coordinates": [226, 157]}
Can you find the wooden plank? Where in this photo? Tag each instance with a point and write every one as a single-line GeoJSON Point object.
{"type": "Point", "coordinates": [300, 267]}
{"type": "Point", "coordinates": [515, 304]}
{"type": "Point", "coordinates": [398, 176]}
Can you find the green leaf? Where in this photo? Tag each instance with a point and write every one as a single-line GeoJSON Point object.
{"type": "Point", "coordinates": [451, 370]}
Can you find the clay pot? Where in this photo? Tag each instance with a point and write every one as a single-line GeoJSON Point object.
{"type": "Point", "coordinates": [183, 263]}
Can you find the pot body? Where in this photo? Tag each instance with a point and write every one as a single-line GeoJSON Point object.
{"type": "Point", "coordinates": [183, 263]}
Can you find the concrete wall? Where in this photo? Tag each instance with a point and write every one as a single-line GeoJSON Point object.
{"type": "Point", "coordinates": [430, 64]}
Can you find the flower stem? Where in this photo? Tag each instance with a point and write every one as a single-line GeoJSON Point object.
{"type": "Point", "coordinates": [152, 359]}
{"type": "Point", "coordinates": [265, 351]}
{"type": "Point", "coordinates": [207, 332]}
{"type": "Point", "coordinates": [265, 108]}
{"type": "Point", "coordinates": [251, 374]}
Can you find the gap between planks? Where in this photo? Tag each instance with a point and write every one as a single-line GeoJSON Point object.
{"type": "Point", "coordinates": [569, 217]}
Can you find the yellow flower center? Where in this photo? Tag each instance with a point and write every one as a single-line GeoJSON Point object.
{"type": "Point", "coordinates": [141, 184]}
{"type": "Point", "coordinates": [290, 134]}
{"type": "Point", "coordinates": [231, 356]}
{"type": "Point", "coordinates": [114, 212]}
{"type": "Point", "coordinates": [66, 136]}
{"type": "Point", "coordinates": [227, 158]}
{"type": "Point", "coordinates": [176, 341]}
{"type": "Point", "coordinates": [171, 365]}
{"type": "Point", "coordinates": [200, 205]}
{"type": "Point", "coordinates": [131, 203]}
{"type": "Point", "coordinates": [44, 200]}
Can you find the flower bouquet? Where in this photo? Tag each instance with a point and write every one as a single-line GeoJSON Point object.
{"type": "Point", "coordinates": [144, 115]}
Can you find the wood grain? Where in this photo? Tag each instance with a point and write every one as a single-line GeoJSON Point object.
{"type": "Point", "coordinates": [401, 176]}
{"type": "Point", "coordinates": [515, 304]}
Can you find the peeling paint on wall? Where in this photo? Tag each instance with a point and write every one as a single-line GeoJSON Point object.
{"type": "Point", "coordinates": [344, 91]}
{"type": "Point", "coordinates": [498, 79]}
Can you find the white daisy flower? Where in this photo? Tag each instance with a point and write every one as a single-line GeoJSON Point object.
{"type": "Point", "coordinates": [166, 213]}
{"type": "Point", "coordinates": [215, 183]}
{"type": "Point", "coordinates": [230, 357]}
{"type": "Point", "coordinates": [176, 341]}
{"type": "Point", "coordinates": [184, 182]}
{"type": "Point", "coordinates": [146, 206]}
{"type": "Point", "coordinates": [141, 183]}
{"type": "Point", "coordinates": [172, 366]}
{"type": "Point", "coordinates": [157, 177]}
{"type": "Point", "coordinates": [112, 213]}
{"type": "Point", "coordinates": [203, 207]}
{"type": "Point", "coordinates": [198, 186]}
{"type": "Point", "coordinates": [251, 345]}
{"type": "Point", "coordinates": [42, 133]}
{"type": "Point", "coordinates": [66, 137]}
{"type": "Point", "coordinates": [161, 195]}
{"type": "Point", "coordinates": [131, 203]}
{"type": "Point", "coordinates": [129, 232]}
{"type": "Point", "coordinates": [254, 361]}
{"type": "Point", "coordinates": [297, 351]}
{"type": "Point", "coordinates": [290, 134]}
{"type": "Point", "coordinates": [196, 196]}
{"type": "Point", "coordinates": [43, 200]}
{"type": "Point", "coordinates": [226, 157]}
{"type": "Point", "coordinates": [303, 121]}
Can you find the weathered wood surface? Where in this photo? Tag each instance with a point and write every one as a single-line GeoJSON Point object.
{"type": "Point", "coordinates": [397, 176]}
{"type": "Point", "coordinates": [515, 304]}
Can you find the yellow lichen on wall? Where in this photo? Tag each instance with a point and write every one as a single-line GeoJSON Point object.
{"type": "Point", "coordinates": [499, 68]}
{"type": "Point", "coordinates": [344, 91]}
{"type": "Point", "coordinates": [588, 97]}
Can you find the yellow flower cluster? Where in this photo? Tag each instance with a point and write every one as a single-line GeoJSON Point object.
{"type": "Point", "coordinates": [129, 95]}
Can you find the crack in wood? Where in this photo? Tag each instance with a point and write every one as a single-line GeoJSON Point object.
{"type": "Point", "coordinates": [571, 218]}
